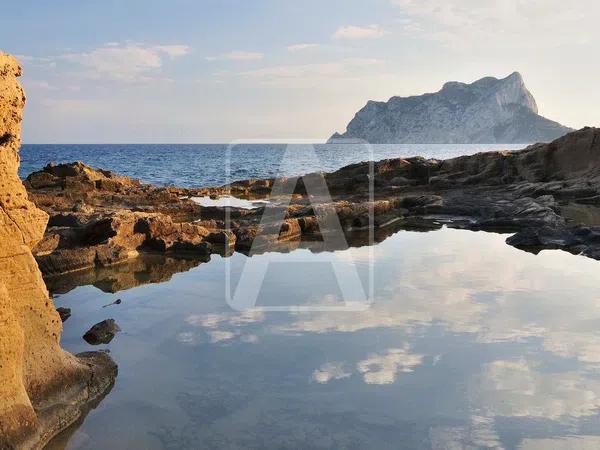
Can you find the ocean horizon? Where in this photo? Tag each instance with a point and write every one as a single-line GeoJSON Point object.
{"type": "Point", "coordinates": [206, 165]}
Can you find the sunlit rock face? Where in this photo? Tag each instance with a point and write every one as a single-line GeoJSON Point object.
{"type": "Point", "coordinates": [489, 110]}
{"type": "Point", "coordinates": [35, 373]}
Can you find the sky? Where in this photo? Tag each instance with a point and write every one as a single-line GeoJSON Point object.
{"type": "Point", "coordinates": [177, 71]}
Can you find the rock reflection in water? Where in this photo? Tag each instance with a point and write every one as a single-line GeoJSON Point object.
{"type": "Point", "coordinates": [470, 344]}
{"type": "Point", "coordinates": [144, 269]}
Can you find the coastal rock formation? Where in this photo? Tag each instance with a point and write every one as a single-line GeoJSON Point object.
{"type": "Point", "coordinates": [43, 388]}
{"type": "Point", "coordinates": [98, 218]}
{"type": "Point", "coordinates": [486, 111]}
{"type": "Point", "coordinates": [553, 187]}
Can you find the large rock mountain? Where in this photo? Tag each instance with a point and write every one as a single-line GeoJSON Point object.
{"type": "Point", "coordinates": [486, 111]}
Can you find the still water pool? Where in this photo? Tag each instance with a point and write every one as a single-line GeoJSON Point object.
{"type": "Point", "coordinates": [468, 344]}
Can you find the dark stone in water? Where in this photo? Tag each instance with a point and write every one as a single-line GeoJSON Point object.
{"type": "Point", "coordinates": [102, 333]}
{"type": "Point", "coordinates": [64, 313]}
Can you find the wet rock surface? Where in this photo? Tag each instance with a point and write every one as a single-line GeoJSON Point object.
{"type": "Point", "coordinates": [102, 333]}
{"type": "Point", "coordinates": [98, 218]}
{"type": "Point", "coordinates": [64, 313]}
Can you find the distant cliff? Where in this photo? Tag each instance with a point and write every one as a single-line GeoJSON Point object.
{"type": "Point", "coordinates": [486, 111]}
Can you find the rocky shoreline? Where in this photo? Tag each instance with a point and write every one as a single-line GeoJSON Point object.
{"type": "Point", "coordinates": [547, 194]}
{"type": "Point", "coordinates": [70, 218]}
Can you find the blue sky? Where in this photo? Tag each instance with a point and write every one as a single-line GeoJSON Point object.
{"type": "Point", "coordinates": [214, 71]}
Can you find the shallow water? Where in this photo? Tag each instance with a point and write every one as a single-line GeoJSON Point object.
{"type": "Point", "coordinates": [469, 343]}
{"type": "Point", "coordinates": [199, 165]}
{"type": "Point", "coordinates": [227, 200]}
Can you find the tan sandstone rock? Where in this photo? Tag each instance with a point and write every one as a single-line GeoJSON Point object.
{"type": "Point", "coordinates": [36, 375]}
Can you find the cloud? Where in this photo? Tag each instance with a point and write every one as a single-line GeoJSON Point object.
{"type": "Point", "coordinates": [514, 388]}
{"type": "Point", "coordinates": [225, 319]}
{"type": "Point", "coordinates": [330, 371]}
{"type": "Point", "coordinates": [222, 327]}
{"type": "Point", "coordinates": [356, 32]}
{"type": "Point", "coordinates": [173, 50]}
{"type": "Point", "coordinates": [237, 55]}
{"type": "Point", "coordinates": [303, 75]}
{"type": "Point", "coordinates": [300, 47]}
{"type": "Point", "coordinates": [124, 62]}
{"type": "Point", "coordinates": [469, 23]}
{"type": "Point", "coordinates": [42, 62]}
{"type": "Point", "coordinates": [478, 433]}
{"type": "Point", "coordinates": [383, 368]}
{"type": "Point", "coordinates": [38, 84]}
{"type": "Point", "coordinates": [580, 442]}
{"type": "Point", "coordinates": [219, 336]}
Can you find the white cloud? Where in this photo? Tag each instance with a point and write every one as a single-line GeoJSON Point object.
{"type": "Point", "coordinates": [479, 433]}
{"type": "Point", "coordinates": [300, 47]}
{"type": "Point", "coordinates": [219, 336]}
{"type": "Point", "coordinates": [303, 75]}
{"type": "Point", "coordinates": [581, 442]}
{"type": "Point", "coordinates": [124, 62]}
{"type": "Point", "coordinates": [173, 50]}
{"type": "Point", "coordinates": [356, 32]}
{"type": "Point", "coordinates": [37, 84]}
{"type": "Point", "coordinates": [237, 55]}
{"type": "Point", "coordinates": [186, 337]}
{"type": "Point", "coordinates": [383, 368]}
{"type": "Point", "coordinates": [330, 371]}
{"type": "Point", "coordinates": [224, 327]}
{"type": "Point", "coordinates": [467, 23]}
{"type": "Point", "coordinates": [41, 62]}
{"type": "Point", "coordinates": [517, 389]}
{"type": "Point", "coordinates": [225, 319]}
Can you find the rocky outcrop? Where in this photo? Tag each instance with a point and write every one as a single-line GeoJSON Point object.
{"type": "Point", "coordinates": [98, 219]}
{"type": "Point", "coordinates": [545, 185]}
{"type": "Point", "coordinates": [117, 237]}
{"type": "Point", "coordinates": [486, 111]}
{"type": "Point", "coordinates": [43, 388]}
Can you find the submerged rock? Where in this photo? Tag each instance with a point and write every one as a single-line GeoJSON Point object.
{"type": "Point", "coordinates": [64, 313]}
{"type": "Point", "coordinates": [102, 333]}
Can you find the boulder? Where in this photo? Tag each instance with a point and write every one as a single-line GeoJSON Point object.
{"type": "Point", "coordinates": [102, 333]}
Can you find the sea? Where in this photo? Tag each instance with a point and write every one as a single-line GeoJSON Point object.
{"type": "Point", "coordinates": [461, 341]}
{"type": "Point", "coordinates": [201, 165]}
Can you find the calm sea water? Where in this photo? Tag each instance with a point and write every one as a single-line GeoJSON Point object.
{"type": "Point", "coordinates": [469, 344]}
{"type": "Point", "coordinates": [204, 165]}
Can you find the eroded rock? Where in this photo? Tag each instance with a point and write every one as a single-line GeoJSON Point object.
{"type": "Point", "coordinates": [505, 191]}
{"type": "Point", "coordinates": [43, 389]}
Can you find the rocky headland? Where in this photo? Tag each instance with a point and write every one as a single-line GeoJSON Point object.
{"type": "Point", "coordinates": [43, 389]}
{"type": "Point", "coordinates": [489, 110]}
{"type": "Point", "coordinates": [547, 194]}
